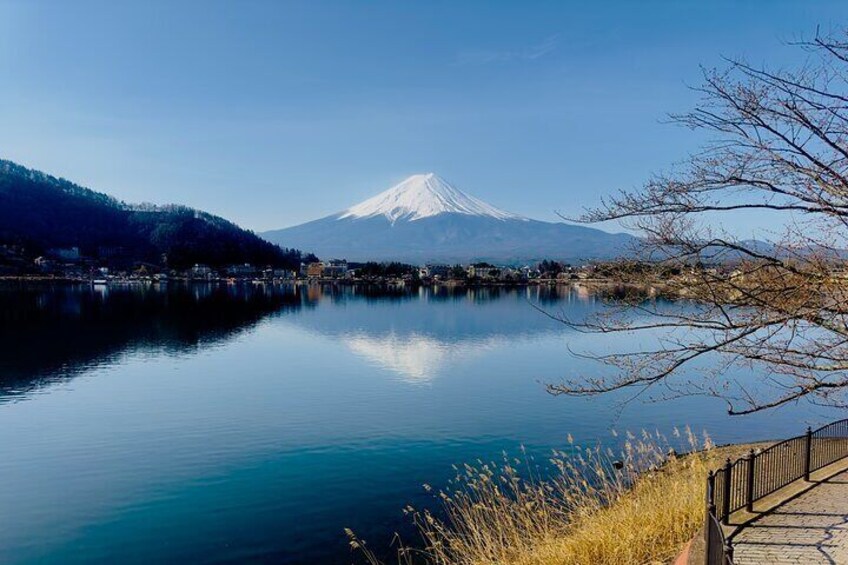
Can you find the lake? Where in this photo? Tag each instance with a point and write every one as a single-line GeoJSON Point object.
{"type": "Point", "coordinates": [252, 423]}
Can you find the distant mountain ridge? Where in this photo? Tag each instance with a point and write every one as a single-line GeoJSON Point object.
{"type": "Point", "coordinates": [40, 212]}
{"type": "Point", "coordinates": [426, 219]}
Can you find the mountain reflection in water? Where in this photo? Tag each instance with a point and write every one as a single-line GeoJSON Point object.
{"type": "Point", "coordinates": [53, 332]}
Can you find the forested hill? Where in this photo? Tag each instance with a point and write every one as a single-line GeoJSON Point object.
{"type": "Point", "coordinates": [40, 212]}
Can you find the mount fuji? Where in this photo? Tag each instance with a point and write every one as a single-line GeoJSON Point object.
{"type": "Point", "coordinates": [426, 219]}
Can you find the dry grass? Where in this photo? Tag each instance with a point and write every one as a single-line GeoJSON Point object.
{"type": "Point", "coordinates": [587, 511]}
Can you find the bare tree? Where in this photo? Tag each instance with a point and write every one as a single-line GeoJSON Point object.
{"type": "Point", "coordinates": [779, 148]}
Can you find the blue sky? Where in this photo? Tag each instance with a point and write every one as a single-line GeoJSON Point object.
{"type": "Point", "coordinates": [274, 113]}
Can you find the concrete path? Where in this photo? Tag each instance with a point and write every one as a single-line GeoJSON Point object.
{"type": "Point", "coordinates": [810, 529]}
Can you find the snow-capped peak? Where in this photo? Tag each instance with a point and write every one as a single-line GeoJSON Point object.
{"type": "Point", "coordinates": [421, 196]}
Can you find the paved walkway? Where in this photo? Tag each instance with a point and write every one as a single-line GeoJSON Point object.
{"type": "Point", "coordinates": [810, 529]}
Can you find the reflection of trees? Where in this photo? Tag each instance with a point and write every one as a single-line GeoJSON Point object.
{"type": "Point", "coordinates": [50, 333]}
{"type": "Point", "coordinates": [445, 314]}
{"type": "Point", "coordinates": [444, 293]}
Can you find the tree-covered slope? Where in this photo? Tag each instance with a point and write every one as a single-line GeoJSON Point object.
{"type": "Point", "coordinates": [41, 212]}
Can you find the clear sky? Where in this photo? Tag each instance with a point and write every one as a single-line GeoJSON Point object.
{"type": "Point", "coordinates": [273, 113]}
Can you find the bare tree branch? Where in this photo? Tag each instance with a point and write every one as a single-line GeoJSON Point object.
{"type": "Point", "coordinates": [779, 145]}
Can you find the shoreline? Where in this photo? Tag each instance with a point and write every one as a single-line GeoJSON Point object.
{"type": "Point", "coordinates": [334, 282]}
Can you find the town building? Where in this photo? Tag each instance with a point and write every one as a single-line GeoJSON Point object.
{"type": "Point", "coordinates": [335, 268]}
{"type": "Point", "coordinates": [483, 271]}
{"type": "Point", "coordinates": [434, 272]}
{"type": "Point", "coordinates": [315, 270]}
{"type": "Point", "coordinates": [43, 263]}
{"type": "Point", "coordinates": [242, 271]}
{"type": "Point", "coordinates": [201, 271]}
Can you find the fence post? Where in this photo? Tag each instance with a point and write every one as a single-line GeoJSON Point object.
{"type": "Point", "coordinates": [808, 453]}
{"type": "Point", "coordinates": [710, 512]}
{"type": "Point", "coordinates": [728, 469]}
{"type": "Point", "coordinates": [749, 494]}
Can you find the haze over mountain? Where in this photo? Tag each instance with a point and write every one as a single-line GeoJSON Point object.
{"type": "Point", "coordinates": [426, 219]}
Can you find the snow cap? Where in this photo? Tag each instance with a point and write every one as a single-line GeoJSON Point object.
{"type": "Point", "coordinates": [422, 196]}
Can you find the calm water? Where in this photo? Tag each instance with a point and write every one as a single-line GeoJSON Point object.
{"type": "Point", "coordinates": [222, 424]}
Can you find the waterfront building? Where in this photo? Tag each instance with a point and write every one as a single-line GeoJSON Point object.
{"type": "Point", "coordinates": [315, 270]}
{"type": "Point", "coordinates": [201, 271]}
{"type": "Point", "coordinates": [335, 268]}
{"type": "Point", "coordinates": [242, 271]}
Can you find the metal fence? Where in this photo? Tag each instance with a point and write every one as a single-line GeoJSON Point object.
{"type": "Point", "coordinates": [738, 484]}
{"type": "Point", "coordinates": [719, 550]}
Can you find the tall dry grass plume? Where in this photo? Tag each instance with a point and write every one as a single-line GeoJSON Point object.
{"type": "Point", "coordinates": [591, 506]}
